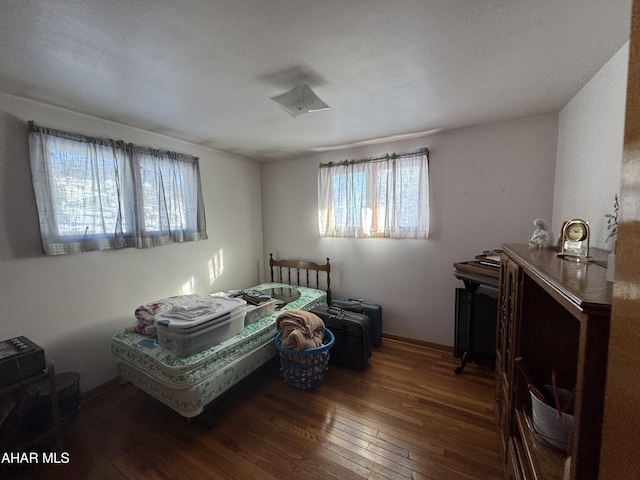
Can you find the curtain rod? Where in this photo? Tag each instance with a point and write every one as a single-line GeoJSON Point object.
{"type": "Point", "coordinates": [423, 150]}
{"type": "Point", "coordinates": [77, 137]}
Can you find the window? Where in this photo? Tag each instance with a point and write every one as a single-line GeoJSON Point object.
{"type": "Point", "coordinates": [380, 197]}
{"type": "Point", "coordinates": [96, 194]}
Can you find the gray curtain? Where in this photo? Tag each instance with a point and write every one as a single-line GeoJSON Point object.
{"type": "Point", "coordinates": [96, 194]}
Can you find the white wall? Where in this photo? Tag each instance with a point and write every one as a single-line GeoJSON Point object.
{"type": "Point", "coordinates": [488, 184]}
{"type": "Point", "coordinates": [72, 305]}
{"type": "Point", "coordinates": [590, 140]}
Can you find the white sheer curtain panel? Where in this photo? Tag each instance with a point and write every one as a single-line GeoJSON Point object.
{"type": "Point", "coordinates": [97, 194]}
{"type": "Point", "coordinates": [379, 197]}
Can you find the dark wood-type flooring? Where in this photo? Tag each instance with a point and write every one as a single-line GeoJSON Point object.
{"type": "Point", "coordinates": [406, 416]}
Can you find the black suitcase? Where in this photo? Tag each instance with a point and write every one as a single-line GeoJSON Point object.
{"type": "Point", "coordinates": [352, 332]}
{"type": "Point", "coordinates": [371, 310]}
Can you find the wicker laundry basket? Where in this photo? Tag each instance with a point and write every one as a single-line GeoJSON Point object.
{"type": "Point", "coordinates": [305, 369]}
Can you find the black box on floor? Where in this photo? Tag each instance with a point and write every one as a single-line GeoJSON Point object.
{"type": "Point", "coordinates": [483, 327]}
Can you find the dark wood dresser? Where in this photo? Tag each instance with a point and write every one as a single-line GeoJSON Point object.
{"type": "Point", "coordinates": [554, 314]}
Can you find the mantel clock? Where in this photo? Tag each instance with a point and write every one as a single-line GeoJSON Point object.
{"type": "Point", "coordinates": [574, 240]}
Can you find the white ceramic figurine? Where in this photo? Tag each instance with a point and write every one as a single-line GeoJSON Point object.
{"type": "Point", "coordinates": [542, 236]}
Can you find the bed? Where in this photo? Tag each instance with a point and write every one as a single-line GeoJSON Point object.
{"type": "Point", "coordinates": [188, 384]}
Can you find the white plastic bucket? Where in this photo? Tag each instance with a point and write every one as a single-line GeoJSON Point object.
{"type": "Point", "coordinates": [549, 424]}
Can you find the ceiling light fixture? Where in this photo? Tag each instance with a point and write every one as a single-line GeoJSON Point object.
{"type": "Point", "coordinates": [299, 101]}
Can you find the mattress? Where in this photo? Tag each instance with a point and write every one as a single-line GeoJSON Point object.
{"type": "Point", "coordinates": [187, 384]}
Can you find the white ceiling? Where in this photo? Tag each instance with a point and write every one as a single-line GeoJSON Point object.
{"type": "Point", "coordinates": [203, 70]}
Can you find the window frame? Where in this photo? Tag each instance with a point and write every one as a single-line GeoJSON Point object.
{"type": "Point", "coordinates": [373, 206]}
{"type": "Point", "coordinates": [120, 220]}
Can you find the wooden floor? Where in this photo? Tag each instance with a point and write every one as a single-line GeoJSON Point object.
{"type": "Point", "coordinates": [406, 416]}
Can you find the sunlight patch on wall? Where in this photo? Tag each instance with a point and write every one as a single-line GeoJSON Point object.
{"type": "Point", "coordinates": [216, 267]}
{"type": "Point", "coordinates": [189, 287]}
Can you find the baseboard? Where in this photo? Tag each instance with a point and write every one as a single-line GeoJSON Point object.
{"type": "Point", "coordinates": [100, 389]}
{"type": "Point", "coordinates": [419, 343]}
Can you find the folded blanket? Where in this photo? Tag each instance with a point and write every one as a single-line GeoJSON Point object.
{"type": "Point", "coordinates": [193, 309]}
{"type": "Point", "coordinates": [300, 329]}
{"type": "Point", "coordinates": [145, 314]}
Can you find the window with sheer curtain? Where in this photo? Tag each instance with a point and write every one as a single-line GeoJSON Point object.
{"type": "Point", "coordinates": [379, 197]}
{"type": "Point", "coordinates": [97, 194]}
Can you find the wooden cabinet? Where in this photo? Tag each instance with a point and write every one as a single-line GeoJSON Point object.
{"type": "Point", "coordinates": [507, 309]}
{"type": "Point", "coordinates": [554, 314]}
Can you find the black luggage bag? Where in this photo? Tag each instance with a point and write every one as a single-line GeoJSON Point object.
{"type": "Point", "coordinates": [352, 332]}
{"type": "Point", "coordinates": [371, 310]}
